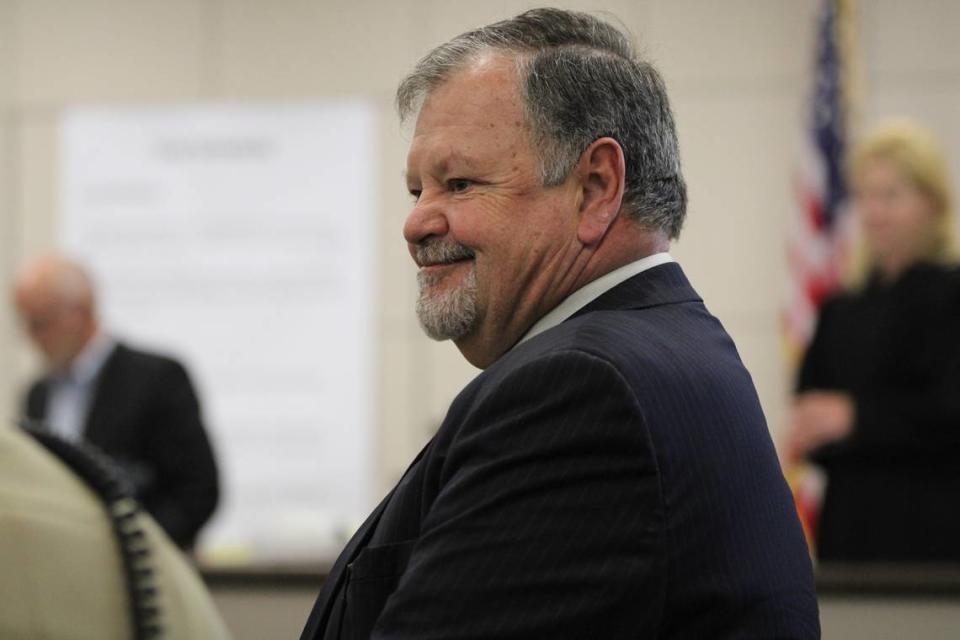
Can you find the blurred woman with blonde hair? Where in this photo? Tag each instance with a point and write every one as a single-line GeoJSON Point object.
{"type": "Point", "coordinates": [878, 396]}
{"type": "Point", "coordinates": [902, 195]}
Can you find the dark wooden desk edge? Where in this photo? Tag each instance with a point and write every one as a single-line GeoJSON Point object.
{"type": "Point", "coordinates": [889, 580]}
{"type": "Point", "coordinates": [273, 576]}
{"type": "Point", "coordinates": [834, 580]}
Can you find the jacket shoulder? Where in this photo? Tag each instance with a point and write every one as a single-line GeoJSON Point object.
{"type": "Point", "coordinates": [146, 362]}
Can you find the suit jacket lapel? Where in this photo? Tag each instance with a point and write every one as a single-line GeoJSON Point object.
{"type": "Point", "coordinates": [317, 622]}
{"type": "Point", "coordinates": [37, 400]}
{"type": "Point", "coordinates": [106, 380]}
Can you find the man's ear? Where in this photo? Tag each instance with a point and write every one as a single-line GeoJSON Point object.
{"type": "Point", "coordinates": [601, 171]}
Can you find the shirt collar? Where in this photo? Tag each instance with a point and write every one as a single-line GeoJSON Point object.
{"type": "Point", "coordinates": [88, 363]}
{"type": "Point", "coordinates": [593, 290]}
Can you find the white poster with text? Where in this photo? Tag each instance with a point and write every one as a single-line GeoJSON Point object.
{"type": "Point", "coordinates": [241, 240]}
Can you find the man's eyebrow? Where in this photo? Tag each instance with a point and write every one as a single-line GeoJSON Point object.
{"type": "Point", "coordinates": [442, 164]}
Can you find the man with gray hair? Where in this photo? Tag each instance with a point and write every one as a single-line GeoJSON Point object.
{"type": "Point", "coordinates": [609, 474]}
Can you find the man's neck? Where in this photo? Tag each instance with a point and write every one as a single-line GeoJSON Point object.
{"type": "Point", "coordinates": [625, 244]}
{"type": "Point", "coordinates": [593, 290]}
{"type": "Point", "coordinates": [628, 245]}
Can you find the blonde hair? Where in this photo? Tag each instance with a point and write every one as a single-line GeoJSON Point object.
{"type": "Point", "coordinates": [914, 152]}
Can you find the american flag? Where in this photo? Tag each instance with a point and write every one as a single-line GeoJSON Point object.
{"type": "Point", "coordinates": [820, 230]}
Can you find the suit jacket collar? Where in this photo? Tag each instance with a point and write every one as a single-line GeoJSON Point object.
{"type": "Point", "coordinates": [37, 399]}
{"type": "Point", "coordinates": [663, 284]}
{"type": "Point", "coordinates": [108, 375]}
{"type": "Point", "coordinates": [593, 289]}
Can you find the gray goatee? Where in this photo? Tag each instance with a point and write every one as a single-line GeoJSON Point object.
{"type": "Point", "coordinates": [452, 314]}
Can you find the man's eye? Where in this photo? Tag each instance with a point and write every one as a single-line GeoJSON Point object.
{"type": "Point", "coordinates": [415, 194]}
{"type": "Point", "coordinates": [459, 184]}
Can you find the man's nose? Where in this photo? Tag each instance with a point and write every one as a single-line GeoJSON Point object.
{"type": "Point", "coordinates": [426, 219]}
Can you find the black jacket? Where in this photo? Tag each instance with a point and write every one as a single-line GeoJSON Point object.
{"type": "Point", "coordinates": [612, 477]}
{"type": "Point", "coordinates": [892, 486]}
{"type": "Point", "coordinates": [145, 415]}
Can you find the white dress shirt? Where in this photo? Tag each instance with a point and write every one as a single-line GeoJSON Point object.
{"type": "Point", "coordinates": [70, 393]}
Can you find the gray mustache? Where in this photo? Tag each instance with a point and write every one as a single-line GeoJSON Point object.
{"type": "Point", "coordinates": [434, 251]}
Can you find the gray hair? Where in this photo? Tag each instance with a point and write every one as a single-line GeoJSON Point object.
{"type": "Point", "coordinates": [581, 80]}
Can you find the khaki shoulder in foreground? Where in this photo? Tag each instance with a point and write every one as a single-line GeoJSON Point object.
{"type": "Point", "coordinates": [62, 572]}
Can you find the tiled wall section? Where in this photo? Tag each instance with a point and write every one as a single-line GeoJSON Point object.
{"type": "Point", "coordinates": [737, 72]}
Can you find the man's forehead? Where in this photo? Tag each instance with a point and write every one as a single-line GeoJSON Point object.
{"type": "Point", "coordinates": [444, 156]}
{"type": "Point", "coordinates": [34, 300]}
{"type": "Point", "coordinates": [486, 88]}
{"type": "Point", "coordinates": [478, 106]}
{"type": "Point", "coordinates": [464, 148]}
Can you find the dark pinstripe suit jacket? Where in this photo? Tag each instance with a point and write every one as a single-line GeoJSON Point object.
{"type": "Point", "coordinates": [609, 478]}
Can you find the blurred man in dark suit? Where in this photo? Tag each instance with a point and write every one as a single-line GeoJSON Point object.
{"type": "Point", "coordinates": [610, 473]}
{"type": "Point", "coordinates": [139, 408]}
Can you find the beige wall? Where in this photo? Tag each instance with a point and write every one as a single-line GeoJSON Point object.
{"type": "Point", "coordinates": [737, 71]}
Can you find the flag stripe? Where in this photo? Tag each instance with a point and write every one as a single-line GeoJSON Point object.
{"type": "Point", "coordinates": [818, 244]}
